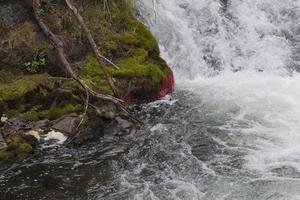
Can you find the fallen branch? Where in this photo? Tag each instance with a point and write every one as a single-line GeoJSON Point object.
{"type": "Point", "coordinates": [93, 45]}
{"type": "Point", "coordinates": [58, 44]}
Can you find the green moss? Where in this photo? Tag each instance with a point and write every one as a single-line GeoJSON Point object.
{"type": "Point", "coordinates": [14, 141]}
{"type": "Point", "coordinates": [94, 76]}
{"type": "Point", "coordinates": [137, 69]}
{"type": "Point", "coordinates": [32, 114]}
{"type": "Point", "coordinates": [19, 87]}
{"type": "Point", "coordinates": [6, 76]}
{"type": "Point", "coordinates": [35, 64]}
{"type": "Point", "coordinates": [27, 34]}
{"type": "Point", "coordinates": [11, 113]}
{"type": "Point", "coordinates": [24, 150]}
{"type": "Point", "coordinates": [140, 37]}
{"type": "Point", "coordinates": [38, 113]}
{"type": "Point", "coordinates": [23, 34]}
{"type": "Point", "coordinates": [18, 146]}
{"type": "Point", "coordinates": [56, 112]}
{"type": "Point", "coordinates": [5, 156]}
{"type": "Point", "coordinates": [120, 36]}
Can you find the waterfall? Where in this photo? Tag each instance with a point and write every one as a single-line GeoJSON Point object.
{"type": "Point", "coordinates": [240, 64]}
{"type": "Point", "coordinates": [199, 38]}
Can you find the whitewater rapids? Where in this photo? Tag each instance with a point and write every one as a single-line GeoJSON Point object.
{"type": "Point", "coordinates": [231, 132]}
{"type": "Point", "coordinates": [240, 67]}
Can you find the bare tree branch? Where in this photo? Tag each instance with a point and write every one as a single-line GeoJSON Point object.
{"type": "Point", "coordinates": [93, 45]}
{"type": "Point", "coordinates": [59, 46]}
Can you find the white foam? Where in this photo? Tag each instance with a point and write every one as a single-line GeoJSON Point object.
{"type": "Point", "coordinates": [263, 108]}
{"type": "Point", "coordinates": [57, 136]}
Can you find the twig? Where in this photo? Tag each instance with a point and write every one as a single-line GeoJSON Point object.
{"type": "Point", "coordinates": [86, 108]}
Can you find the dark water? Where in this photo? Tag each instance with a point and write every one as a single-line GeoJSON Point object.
{"type": "Point", "coordinates": [177, 155]}
{"type": "Point", "coordinates": [95, 169]}
{"type": "Point", "coordinates": [170, 150]}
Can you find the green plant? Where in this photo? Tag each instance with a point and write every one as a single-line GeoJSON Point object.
{"type": "Point", "coordinates": [35, 64]}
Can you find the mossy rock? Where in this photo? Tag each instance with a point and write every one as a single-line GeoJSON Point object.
{"type": "Point", "coordinates": [19, 147]}
{"type": "Point", "coordinates": [120, 36]}
{"type": "Point", "coordinates": [5, 156]}
{"type": "Point", "coordinates": [24, 150]}
{"type": "Point", "coordinates": [21, 85]}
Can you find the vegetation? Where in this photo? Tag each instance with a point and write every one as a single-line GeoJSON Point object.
{"type": "Point", "coordinates": [120, 37]}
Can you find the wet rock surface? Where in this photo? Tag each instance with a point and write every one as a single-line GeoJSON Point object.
{"type": "Point", "coordinates": [66, 124]}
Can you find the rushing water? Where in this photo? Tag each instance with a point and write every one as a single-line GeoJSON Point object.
{"type": "Point", "coordinates": [232, 131]}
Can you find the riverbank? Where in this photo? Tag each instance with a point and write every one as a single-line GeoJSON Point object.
{"type": "Point", "coordinates": [37, 95]}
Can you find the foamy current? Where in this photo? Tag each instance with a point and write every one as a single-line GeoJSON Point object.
{"type": "Point", "coordinates": [240, 65]}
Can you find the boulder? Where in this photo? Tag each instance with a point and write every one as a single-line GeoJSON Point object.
{"type": "Point", "coordinates": [66, 124]}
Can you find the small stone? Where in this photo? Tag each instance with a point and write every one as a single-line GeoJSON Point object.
{"type": "Point", "coordinates": [34, 134]}
{"type": "Point", "coordinates": [41, 124]}
{"type": "Point", "coordinates": [58, 136]}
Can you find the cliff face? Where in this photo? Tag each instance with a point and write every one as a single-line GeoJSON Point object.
{"type": "Point", "coordinates": [32, 84]}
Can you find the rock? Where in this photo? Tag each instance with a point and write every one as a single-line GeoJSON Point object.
{"type": "Point", "coordinates": [167, 86]}
{"type": "Point", "coordinates": [124, 123]}
{"type": "Point", "coordinates": [34, 134]}
{"type": "Point", "coordinates": [41, 124]}
{"type": "Point", "coordinates": [168, 97]}
{"type": "Point", "coordinates": [58, 136]}
{"type": "Point", "coordinates": [66, 124]}
{"type": "Point", "coordinates": [107, 111]}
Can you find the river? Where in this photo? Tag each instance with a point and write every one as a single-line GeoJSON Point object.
{"type": "Point", "coordinates": [231, 131]}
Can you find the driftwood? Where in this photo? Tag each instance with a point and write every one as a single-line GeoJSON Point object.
{"type": "Point", "coordinates": [59, 46]}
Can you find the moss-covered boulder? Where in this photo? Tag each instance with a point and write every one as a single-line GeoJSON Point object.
{"type": "Point", "coordinates": [31, 83]}
{"type": "Point", "coordinates": [19, 147]}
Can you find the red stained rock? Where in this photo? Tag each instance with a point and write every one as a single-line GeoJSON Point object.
{"type": "Point", "coordinates": [167, 86]}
